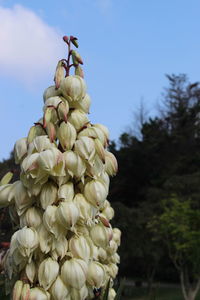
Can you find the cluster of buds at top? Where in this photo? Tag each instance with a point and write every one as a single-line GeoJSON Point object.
{"type": "Point", "coordinates": [65, 247]}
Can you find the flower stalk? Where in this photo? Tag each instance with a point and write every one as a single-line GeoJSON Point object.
{"type": "Point", "coordinates": [65, 246]}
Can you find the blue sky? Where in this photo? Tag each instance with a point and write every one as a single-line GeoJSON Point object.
{"type": "Point", "coordinates": [127, 46]}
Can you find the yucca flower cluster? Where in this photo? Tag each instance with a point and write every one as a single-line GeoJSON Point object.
{"type": "Point", "coordinates": [65, 247]}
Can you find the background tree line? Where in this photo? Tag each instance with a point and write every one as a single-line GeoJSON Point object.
{"type": "Point", "coordinates": [156, 193]}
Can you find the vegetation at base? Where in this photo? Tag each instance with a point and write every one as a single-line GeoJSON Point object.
{"type": "Point", "coordinates": [158, 293]}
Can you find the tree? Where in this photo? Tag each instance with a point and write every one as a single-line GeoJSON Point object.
{"type": "Point", "coordinates": [178, 228]}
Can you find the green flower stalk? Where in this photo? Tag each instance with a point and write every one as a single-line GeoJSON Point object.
{"type": "Point", "coordinates": [65, 247]}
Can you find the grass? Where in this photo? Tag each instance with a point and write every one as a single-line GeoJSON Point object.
{"type": "Point", "coordinates": [158, 293]}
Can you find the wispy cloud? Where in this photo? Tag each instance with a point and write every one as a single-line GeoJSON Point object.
{"type": "Point", "coordinates": [29, 48]}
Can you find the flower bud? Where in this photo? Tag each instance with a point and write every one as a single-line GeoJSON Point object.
{"type": "Point", "coordinates": [112, 270]}
{"type": "Point", "coordinates": [31, 218]}
{"type": "Point", "coordinates": [100, 235]}
{"type": "Point", "coordinates": [83, 104]}
{"type": "Point", "coordinates": [66, 191]}
{"type": "Point", "coordinates": [30, 271]}
{"type": "Point", "coordinates": [6, 178]}
{"type": "Point", "coordinates": [95, 170]}
{"type": "Point", "coordinates": [60, 246]}
{"type": "Point", "coordinates": [67, 135]}
{"type": "Point", "coordinates": [73, 39]}
{"type": "Point", "coordinates": [104, 129]}
{"type": "Point", "coordinates": [32, 134]}
{"type": "Point", "coordinates": [115, 258]}
{"type": "Point", "coordinates": [108, 212]}
{"type": "Point", "coordinates": [30, 164]}
{"type": "Point", "coordinates": [96, 274]}
{"type": "Point", "coordinates": [80, 248]}
{"type": "Point", "coordinates": [49, 116]}
{"type": "Point", "coordinates": [42, 143]}
{"type": "Point", "coordinates": [20, 149]}
{"type": "Point", "coordinates": [52, 101]}
{"type": "Point", "coordinates": [27, 239]}
{"type": "Point", "coordinates": [79, 294]}
{"type": "Point", "coordinates": [22, 200]}
{"type": "Point", "coordinates": [63, 109]}
{"type": "Point", "coordinates": [111, 294]}
{"type": "Point", "coordinates": [117, 236]}
{"type": "Point", "coordinates": [99, 149]}
{"type": "Point", "coordinates": [111, 166]}
{"type": "Point", "coordinates": [48, 194]}
{"type": "Point", "coordinates": [59, 290]}
{"type": "Point", "coordinates": [85, 147]}
{"type": "Point", "coordinates": [49, 221]}
{"type": "Point", "coordinates": [112, 248]}
{"type": "Point", "coordinates": [67, 214]}
{"type": "Point", "coordinates": [74, 164]}
{"type": "Point", "coordinates": [51, 92]}
{"type": "Point", "coordinates": [105, 180]}
{"type": "Point", "coordinates": [25, 295]}
{"type": "Point", "coordinates": [59, 74]}
{"type": "Point", "coordinates": [79, 71]}
{"type": "Point", "coordinates": [45, 239]}
{"type": "Point", "coordinates": [4, 194]}
{"type": "Point", "coordinates": [95, 192]}
{"type": "Point", "coordinates": [17, 290]}
{"type": "Point", "coordinates": [78, 119]}
{"type": "Point", "coordinates": [48, 159]}
{"type": "Point", "coordinates": [73, 272]}
{"type": "Point", "coordinates": [76, 58]}
{"type": "Point", "coordinates": [51, 131]}
{"type": "Point", "coordinates": [39, 294]}
{"type": "Point", "coordinates": [47, 273]}
{"type": "Point", "coordinates": [73, 88]}
{"type": "Point", "coordinates": [102, 255]}
{"type": "Point", "coordinates": [94, 133]}
{"type": "Point", "coordinates": [84, 208]}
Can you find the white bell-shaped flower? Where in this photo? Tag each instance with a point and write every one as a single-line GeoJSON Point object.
{"type": "Point", "coordinates": [73, 272]}
{"type": "Point", "coordinates": [59, 290]}
{"type": "Point", "coordinates": [67, 135]}
{"type": "Point", "coordinates": [73, 88]}
{"type": "Point", "coordinates": [96, 274]}
{"type": "Point", "coordinates": [20, 149]}
{"type": "Point", "coordinates": [48, 272]}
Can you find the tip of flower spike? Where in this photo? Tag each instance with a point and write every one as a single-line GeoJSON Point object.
{"type": "Point", "coordinates": [65, 39]}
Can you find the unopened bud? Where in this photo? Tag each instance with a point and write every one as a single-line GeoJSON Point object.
{"type": "Point", "coordinates": [73, 39]}
{"type": "Point", "coordinates": [60, 74]}
{"type": "Point", "coordinates": [51, 131]}
{"type": "Point", "coordinates": [25, 295]}
{"type": "Point", "coordinates": [17, 290]}
{"type": "Point", "coordinates": [50, 92]}
{"type": "Point", "coordinates": [65, 39]}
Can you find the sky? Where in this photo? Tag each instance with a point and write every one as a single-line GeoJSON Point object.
{"type": "Point", "coordinates": [127, 47]}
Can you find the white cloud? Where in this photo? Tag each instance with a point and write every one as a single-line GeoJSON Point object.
{"type": "Point", "coordinates": [29, 48]}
